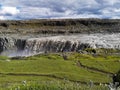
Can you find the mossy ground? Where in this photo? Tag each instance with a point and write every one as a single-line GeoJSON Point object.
{"type": "Point", "coordinates": [53, 67]}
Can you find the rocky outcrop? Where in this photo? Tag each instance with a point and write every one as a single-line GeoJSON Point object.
{"type": "Point", "coordinates": [9, 46]}
{"type": "Point", "coordinates": [6, 43]}
{"type": "Point", "coordinates": [74, 43]}
{"type": "Point", "coordinates": [25, 47]}
{"type": "Point", "coordinates": [60, 26]}
{"type": "Point", "coordinates": [54, 45]}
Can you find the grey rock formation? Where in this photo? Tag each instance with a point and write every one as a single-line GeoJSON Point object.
{"type": "Point", "coordinates": [60, 26]}
{"type": "Point", "coordinates": [13, 46]}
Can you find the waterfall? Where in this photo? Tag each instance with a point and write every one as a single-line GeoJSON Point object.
{"type": "Point", "coordinates": [41, 45]}
{"type": "Point", "coordinates": [12, 46]}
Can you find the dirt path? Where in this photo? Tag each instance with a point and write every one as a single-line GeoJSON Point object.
{"type": "Point", "coordinates": [93, 69]}
{"type": "Point", "coordinates": [48, 75]}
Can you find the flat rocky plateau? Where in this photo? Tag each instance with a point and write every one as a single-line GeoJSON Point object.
{"type": "Point", "coordinates": [60, 26]}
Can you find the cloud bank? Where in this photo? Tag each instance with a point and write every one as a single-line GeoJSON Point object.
{"type": "Point", "coordinates": [8, 12]}
{"type": "Point", "coordinates": [34, 9]}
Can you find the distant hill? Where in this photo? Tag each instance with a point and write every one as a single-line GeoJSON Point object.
{"type": "Point", "coordinates": [60, 26]}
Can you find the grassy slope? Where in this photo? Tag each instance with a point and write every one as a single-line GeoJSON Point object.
{"type": "Point", "coordinates": [110, 63]}
{"type": "Point", "coordinates": [54, 67]}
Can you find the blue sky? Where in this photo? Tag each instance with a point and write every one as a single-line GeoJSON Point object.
{"type": "Point", "coordinates": [34, 9]}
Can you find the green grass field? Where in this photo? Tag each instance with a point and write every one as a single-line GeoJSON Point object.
{"type": "Point", "coordinates": [77, 68]}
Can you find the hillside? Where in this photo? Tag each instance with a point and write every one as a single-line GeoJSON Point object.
{"type": "Point", "coordinates": [60, 26]}
{"type": "Point", "coordinates": [76, 72]}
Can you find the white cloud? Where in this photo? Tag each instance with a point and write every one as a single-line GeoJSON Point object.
{"type": "Point", "coordinates": [2, 18]}
{"type": "Point", "coordinates": [110, 10]}
{"type": "Point", "coordinates": [12, 3]}
{"type": "Point", "coordinates": [115, 17]}
{"type": "Point", "coordinates": [9, 10]}
{"type": "Point", "coordinates": [111, 2]}
{"type": "Point", "coordinates": [29, 9]}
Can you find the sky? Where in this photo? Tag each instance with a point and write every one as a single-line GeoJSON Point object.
{"type": "Point", "coordinates": [41, 9]}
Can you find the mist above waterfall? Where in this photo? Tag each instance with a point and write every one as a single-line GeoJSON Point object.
{"type": "Point", "coordinates": [12, 46]}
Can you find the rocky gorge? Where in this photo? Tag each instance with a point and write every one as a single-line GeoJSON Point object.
{"type": "Point", "coordinates": [25, 46]}
{"type": "Point", "coordinates": [29, 37]}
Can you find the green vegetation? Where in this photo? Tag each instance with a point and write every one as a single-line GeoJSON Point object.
{"type": "Point", "coordinates": [4, 58]}
{"type": "Point", "coordinates": [77, 68]}
{"type": "Point", "coordinates": [102, 51]}
{"type": "Point", "coordinates": [109, 63]}
{"type": "Point", "coordinates": [50, 85]}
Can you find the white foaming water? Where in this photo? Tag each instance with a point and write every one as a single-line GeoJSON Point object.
{"type": "Point", "coordinates": [94, 40]}
{"type": "Point", "coordinates": [60, 43]}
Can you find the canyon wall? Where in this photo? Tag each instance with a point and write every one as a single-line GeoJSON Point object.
{"type": "Point", "coordinates": [60, 26]}
{"type": "Point", "coordinates": [12, 46]}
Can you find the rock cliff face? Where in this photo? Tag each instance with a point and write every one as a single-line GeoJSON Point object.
{"type": "Point", "coordinates": [11, 45]}
{"type": "Point", "coordinates": [54, 45]}
{"type": "Point", "coordinates": [60, 26]}
{"type": "Point", "coordinates": [29, 37]}
{"type": "Point", "coordinates": [69, 43]}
